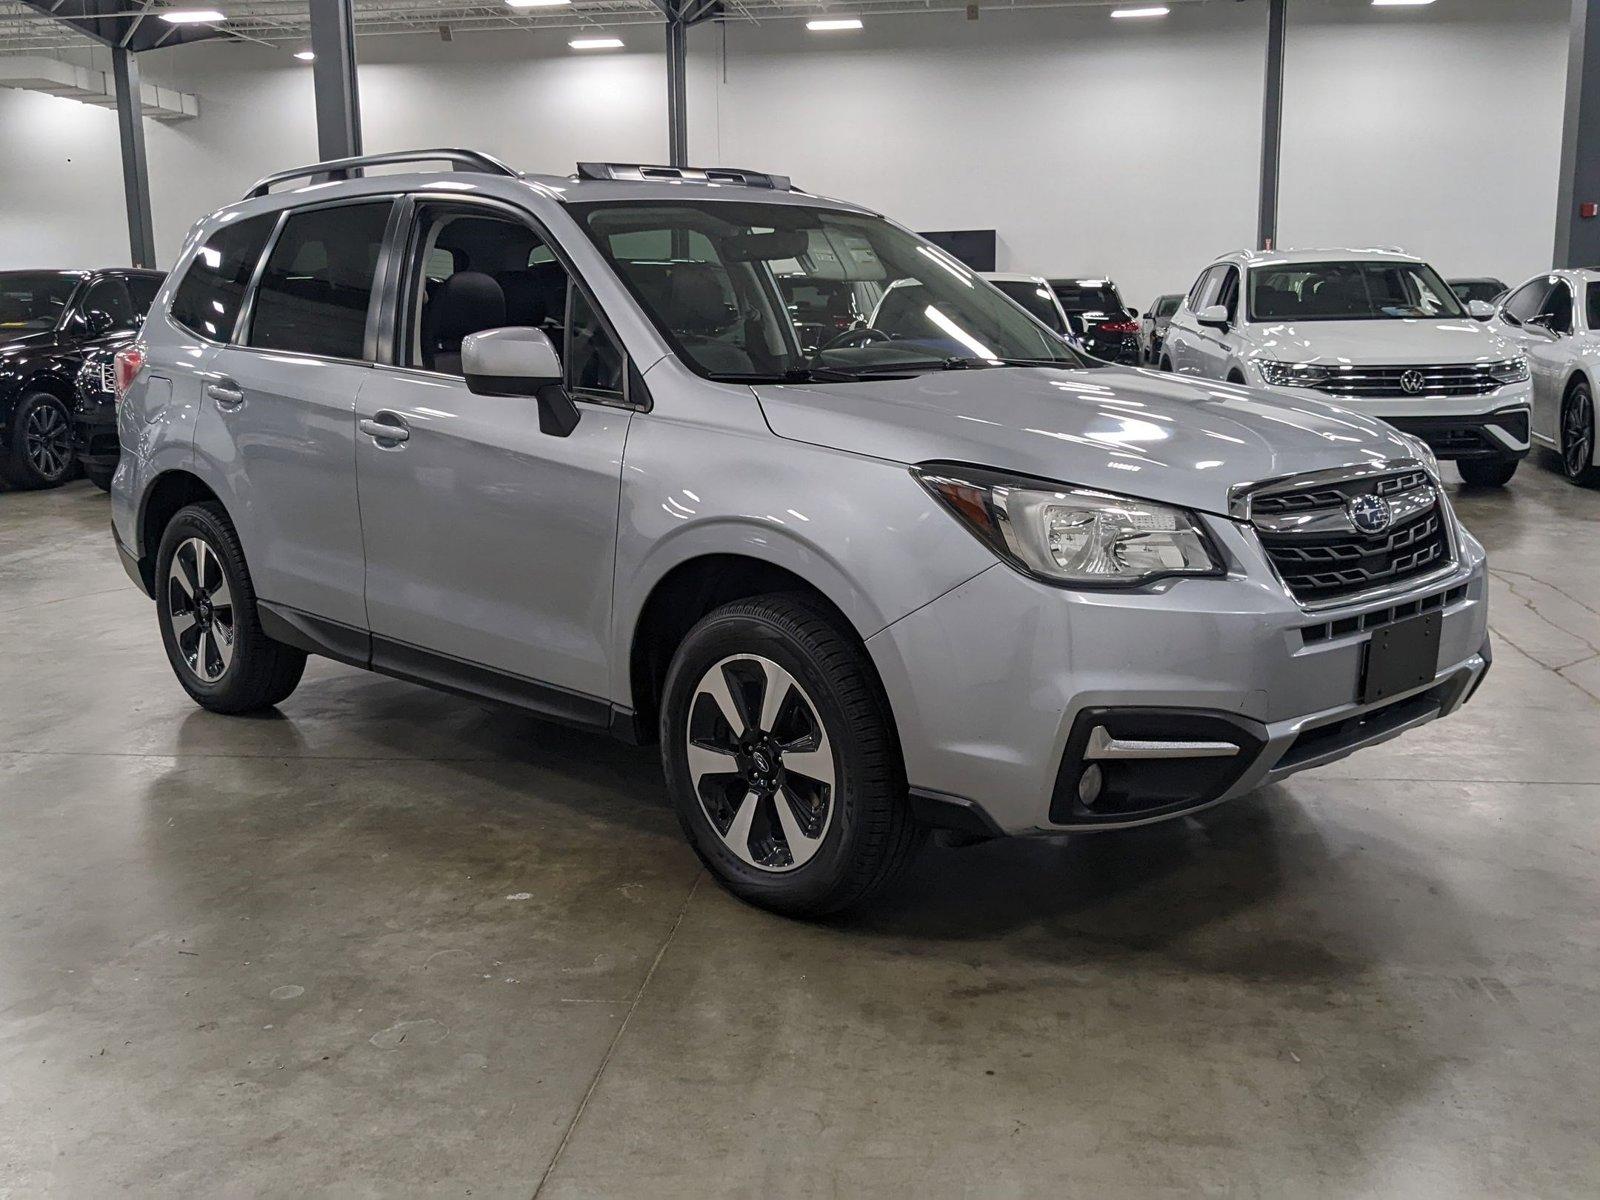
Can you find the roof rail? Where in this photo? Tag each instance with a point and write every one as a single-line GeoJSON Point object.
{"type": "Point", "coordinates": [645, 173]}
{"type": "Point", "coordinates": [343, 168]}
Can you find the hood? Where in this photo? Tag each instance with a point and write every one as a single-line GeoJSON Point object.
{"type": "Point", "coordinates": [13, 339]}
{"type": "Point", "coordinates": [1385, 342]}
{"type": "Point", "coordinates": [1141, 433]}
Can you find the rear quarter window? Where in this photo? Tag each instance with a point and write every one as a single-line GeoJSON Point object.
{"type": "Point", "coordinates": [212, 290]}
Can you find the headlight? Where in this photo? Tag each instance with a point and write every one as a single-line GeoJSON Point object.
{"type": "Point", "coordinates": [1513, 370]}
{"type": "Point", "coordinates": [1423, 452]}
{"type": "Point", "coordinates": [1282, 374]}
{"type": "Point", "coordinates": [1068, 535]}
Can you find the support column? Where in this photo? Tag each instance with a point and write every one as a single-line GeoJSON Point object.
{"type": "Point", "coordinates": [333, 41]}
{"type": "Point", "coordinates": [677, 89]}
{"type": "Point", "coordinates": [1578, 236]}
{"type": "Point", "coordinates": [135, 171]}
{"type": "Point", "coordinates": [1271, 128]}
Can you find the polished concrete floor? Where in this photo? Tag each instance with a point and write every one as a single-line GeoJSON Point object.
{"type": "Point", "coordinates": [391, 942]}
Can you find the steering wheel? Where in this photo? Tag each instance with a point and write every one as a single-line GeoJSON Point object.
{"type": "Point", "coordinates": [863, 335]}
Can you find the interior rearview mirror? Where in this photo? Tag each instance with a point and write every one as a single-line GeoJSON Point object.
{"type": "Point", "coordinates": [1214, 315]}
{"type": "Point", "coordinates": [518, 360]}
{"type": "Point", "coordinates": [1481, 310]}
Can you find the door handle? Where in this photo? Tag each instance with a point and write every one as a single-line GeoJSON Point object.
{"type": "Point", "coordinates": [226, 393]}
{"type": "Point", "coordinates": [393, 429]}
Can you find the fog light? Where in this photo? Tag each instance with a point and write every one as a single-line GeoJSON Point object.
{"type": "Point", "coordinates": [1089, 784]}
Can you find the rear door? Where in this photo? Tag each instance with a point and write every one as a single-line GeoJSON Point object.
{"type": "Point", "coordinates": [277, 419]}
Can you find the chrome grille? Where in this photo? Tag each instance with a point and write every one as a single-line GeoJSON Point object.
{"type": "Point", "coordinates": [1310, 534]}
{"type": "Point", "coordinates": [1451, 379]}
{"type": "Point", "coordinates": [108, 375]}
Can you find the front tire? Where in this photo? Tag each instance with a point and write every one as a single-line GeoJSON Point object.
{"type": "Point", "coordinates": [1577, 436]}
{"type": "Point", "coordinates": [41, 454]}
{"type": "Point", "coordinates": [207, 610]}
{"type": "Point", "coordinates": [782, 760]}
{"type": "Point", "coordinates": [1486, 472]}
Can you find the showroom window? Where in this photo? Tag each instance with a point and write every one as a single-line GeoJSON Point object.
{"type": "Point", "coordinates": [313, 297]}
{"type": "Point", "coordinates": [207, 302]}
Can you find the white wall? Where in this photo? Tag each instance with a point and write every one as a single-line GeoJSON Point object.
{"type": "Point", "coordinates": [1090, 144]}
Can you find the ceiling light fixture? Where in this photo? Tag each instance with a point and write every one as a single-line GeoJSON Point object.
{"type": "Point", "coordinates": [1400, 3]}
{"type": "Point", "coordinates": [537, 3]}
{"type": "Point", "coordinates": [305, 55]}
{"type": "Point", "coordinates": [193, 16]}
{"type": "Point", "coordinates": [596, 43]}
{"type": "Point", "coordinates": [1148, 10]}
{"type": "Point", "coordinates": [830, 24]}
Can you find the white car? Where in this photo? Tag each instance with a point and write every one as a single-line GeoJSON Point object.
{"type": "Point", "coordinates": [1035, 295]}
{"type": "Point", "coordinates": [1377, 330]}
{"type": "Point", "coordinates": [1555, 318]}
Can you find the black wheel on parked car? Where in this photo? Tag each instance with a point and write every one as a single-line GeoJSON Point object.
{"type": "Point", "coordinates": [207, 610]}
{"type": "Point", "coordinates": [1577, 436]}
{"type": "Point", "coordinates": [1486, 472]}
{"type": "Point", "coordinates": [99, 476]}
{"type": "Point", "coordinates": [782, 760]}
{"type": "Point", "coordinates": [41, 453]}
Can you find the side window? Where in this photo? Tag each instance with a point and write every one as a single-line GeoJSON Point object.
{"type": "Point", "coordinates": [1195, 292]}
{"type": "Point", "coordinates": [1213, 285]}
{"type": "Point", "coordinates": [1526, 301]}
{"type": "Point", "coordinates": [1228, 294]}
{"type": "Point", "coordinates": [1591, 303]}
{"type": "Point", "coordinates": [314, 295]}
{"type": "Point", "coordinates": [208, 299]}
{"type": "Point", "coordinates": [594, 361]}
{"type": "Point", "coordinates": [109, 297]}
{"type": "Point", "coordinates": [142, 291]}
{"type": "Point", "coordinates": [1556, 311]}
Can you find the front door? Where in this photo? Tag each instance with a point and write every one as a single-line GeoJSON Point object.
{"type": "Point", "coordinates": [489, 542]}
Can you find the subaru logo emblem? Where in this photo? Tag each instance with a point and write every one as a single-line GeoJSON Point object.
{"type": "Point", "coordinates": [1369, 514]}
{"type": "Point", "coordinates": [1413, 382]}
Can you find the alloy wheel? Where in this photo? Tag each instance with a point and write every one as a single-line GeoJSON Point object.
{"type": "Point", "coordinates": [1577, 433]}
{"type": "Point", "coordinates": [201, 606]}
{"type": "Point", "coordinates": [760, 762]}
{"type": "Point", "coordinates": [47, 439]}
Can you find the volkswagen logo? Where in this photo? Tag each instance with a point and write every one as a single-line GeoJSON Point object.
{"type": "Point", "coordinates": [1413, 382]}
{"type": "Point", "coordinates": [1369, 514]}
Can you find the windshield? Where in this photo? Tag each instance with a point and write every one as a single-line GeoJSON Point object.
{"type": "Point", "coordinates": [1166, 306]}
{"type": "Point", "coordinates": [776, 292]}
{"type": "Point", "coordinates": [32, 301]}
{"type": "Point", "coordinates": [1036, 298]}
{"type": "Point", "coordinates": [1349, 291]}
{"type": "Point", "coordinates": [1088, 295]}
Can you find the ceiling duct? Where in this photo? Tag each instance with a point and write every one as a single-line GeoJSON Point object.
{"type": "Point", "coordinates": [36, 73]}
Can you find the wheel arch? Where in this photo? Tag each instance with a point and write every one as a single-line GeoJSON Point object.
{"type": "Point", "coordinates": [168, 493]}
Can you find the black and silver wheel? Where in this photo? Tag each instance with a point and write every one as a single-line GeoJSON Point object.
{"type": "Point", "coordinates": [782, 760]}
{"type": "Point", "coordinates": [41, 454]}
{"type": "Point", "coordinates": [207, 611]}
{"type": "Point", "coordinates": [1577, 436]}
{"type": "Point", "coordinates": [1486, 472]}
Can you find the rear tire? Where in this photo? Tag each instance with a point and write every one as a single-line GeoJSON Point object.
{"type": "Point", "coordinates": [99, 476]}
{"type": "Point", "coordinates": [41, 454]}
{"type": "Point", "coordinates": [207, 610]}
{"type": "Point", "coordinates": [1486, 472]}
{"type": "Point", "coordinates": [1578, 436]}
{"type": "Point", "coordinates": [796, 799]}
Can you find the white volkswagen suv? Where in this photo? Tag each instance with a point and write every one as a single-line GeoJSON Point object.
{"type": "Point", "coordinates": [1376, 330]}
{"type": "Point", "coordinates": [1555, 319]}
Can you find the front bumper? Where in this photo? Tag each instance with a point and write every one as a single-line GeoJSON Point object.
{"type": "Point", "coordinates": [1493, 425]}
{"type": "Point", "coordinates": [989, 682]}
{"type": "Point", "coordinates": [96, 442]}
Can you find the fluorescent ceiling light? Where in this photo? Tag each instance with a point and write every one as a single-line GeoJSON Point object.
{"type": "Point", "coordinates": [193, 16]}
{"type": "Point", "coordinates": [537, 3]}
{"type": "Point", "coordinates": [596, 43]}
{"type": "Point", "coordinates": [1148, 10]}
{"type": "Point", "coordinates": [1400, 3]}
{"type": "Point", "coordinates": [305, 55]}
{"type": "Point", "coordinates": [824, 24]}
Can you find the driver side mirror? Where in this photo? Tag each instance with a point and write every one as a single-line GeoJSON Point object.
{"type": "Point", "coordinates": [518, 360]}
{"type": "Point", "coordinates": [1480, 310]}
{"type": "Point", "coordinates": [1213, 315]}
{"type": "Point", "coordinates": [98, 322]}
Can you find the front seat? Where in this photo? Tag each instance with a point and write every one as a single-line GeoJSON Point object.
{"type": "Point", "coordinates": [467, 302]}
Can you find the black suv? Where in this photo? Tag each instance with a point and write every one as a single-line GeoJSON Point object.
{"type": "Point", "coordinates": [1101, 323]}
{"type": "Point", "coordinates": [50, 321]}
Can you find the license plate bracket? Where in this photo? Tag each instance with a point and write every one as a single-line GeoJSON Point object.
{"type": "Point", "coordinates": [1400, 657]}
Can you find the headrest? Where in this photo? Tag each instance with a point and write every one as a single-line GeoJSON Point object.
{"type": "Point", "coordinates": [465, 303]}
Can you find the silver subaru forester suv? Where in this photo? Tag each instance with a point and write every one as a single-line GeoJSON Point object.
{"type": "Point", "coordinates": [556, 442]}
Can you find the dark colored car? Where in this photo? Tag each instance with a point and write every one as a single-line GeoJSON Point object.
{"type": "Point", "coordinates": [49, 322]}
{"type": "Point", "coordinates": [94, 416]}
{"type": "Point", "coordinates": [1488, 289]}
{"type": "Point", "coordinates": [1101, 323]}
